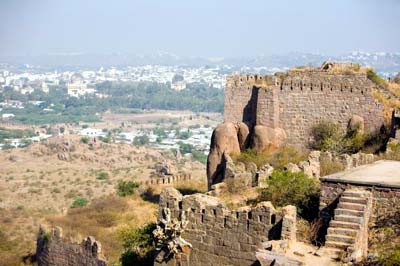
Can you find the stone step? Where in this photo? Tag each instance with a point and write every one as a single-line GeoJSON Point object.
{"type": "Point", "coordinates": [354, 200]}
{"type": "Point", "coordinates": [355, 193]}
{"type": "Point", "coordinates": [338, 245]}
{"type": "Point", "coordinates": [342, 231]}
{"type": "Point", "coordinates": [341, 238]}
{"type": "Point", "coordinates": [333, 253]}
{"type": "Point", "coordinates": [351, 206]}
{"type": "Point", "coordinates": [348, 212]}
{"type": "Point", "coordinates": [351, 219]}
{"type": "Point", "coordinates": [344, 225]}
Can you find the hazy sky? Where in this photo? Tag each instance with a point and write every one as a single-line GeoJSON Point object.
{"type": "Point", "coordinates": [198, 27]}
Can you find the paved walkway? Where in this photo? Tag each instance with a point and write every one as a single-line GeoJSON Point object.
{"type": "Point", "coordinates": [380, 173]}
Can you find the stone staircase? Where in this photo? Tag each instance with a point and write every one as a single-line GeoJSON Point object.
{"type": "Point", "coordinates": [348, 231]}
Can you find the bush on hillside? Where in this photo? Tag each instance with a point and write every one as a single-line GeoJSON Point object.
{"type": "Point", "coordinates": [141, 140]}
{"type": "Point", "coordinates": [126, 188]}
{"type": "Point", "coordinates": [102, 175]}
{"type": "Point", "coordinates": [288, 188]}
{"type": "Point", "coordinates": [138, 244]}
{"type": "Point", "coordinates": [85, 140]}
{"type": "Point", "coordinates": [329, 136]}
{"type": "Point", "coordinates": [79, 202]}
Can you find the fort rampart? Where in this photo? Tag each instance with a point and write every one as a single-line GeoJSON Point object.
{"type": "Point", "coordinates": [298, 100]}
{"type": "Point", "coordinates": [167, 179]}
{"type": "Point", "coordinates": [53, 250]}
{"type": "Point", "coordinates": [220, 236]}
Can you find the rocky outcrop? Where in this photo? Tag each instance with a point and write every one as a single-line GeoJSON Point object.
{"type": "Point", "coordinates": [226, 138]}
{"type": "Point", "coordinates": [356, 124]}
{"type": "Point", "coordinates": [267, 138]}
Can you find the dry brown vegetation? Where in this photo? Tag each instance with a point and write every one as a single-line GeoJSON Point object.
{"type": "Point", "coordinates": [38, 186]}
{"type": "Point", "coordinates": [104, 218]}
{"type": "Point", "coordinates": [278, 158]}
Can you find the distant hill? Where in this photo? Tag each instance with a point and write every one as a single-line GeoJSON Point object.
{"type": "Point", "coordinates": [384, 63]}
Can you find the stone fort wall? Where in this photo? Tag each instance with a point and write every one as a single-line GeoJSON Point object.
{"type": "Point", "coordinates": [220, 236]}
{"type": "Point", "coordinates": [167, 179]}
{"type": "Point", "coordinates": [297, 100]}
{"type": "Point", "coordinates": [53, 250]}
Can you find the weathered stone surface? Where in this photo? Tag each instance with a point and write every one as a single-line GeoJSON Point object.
{"type": "Point", "coordinates": [269, 258]}
{"type": "Point", "coordinates": [218, 189]}
{"type": "Point", "coordinates": [243, 134]}
{"type": "Point", "coordinates": [396, 79]}
{"type": "Point", "coordinates": [265, 171]}
{"type": "Point", "coordinates": [268, 138]}
{"type": "Point", "coordinates": [218, 235]}
{"type": "Point", "coordinates": [292, 168]}
{"type": "Point", "coordinates": [53, 250]}
{"type": "Point", "coordinates": [223, 140]}
{"type": "Point", "coordinates": [356, 123]}
{"type": "Point", "coordinates": [297, 100]}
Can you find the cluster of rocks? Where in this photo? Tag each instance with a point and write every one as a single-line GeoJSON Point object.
{"type": "Point", "coordinates": [348, 161]}
{"type": "Point", "coordinates": [249, 175]}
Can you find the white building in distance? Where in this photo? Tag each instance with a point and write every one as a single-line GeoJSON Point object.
{"type": "Point", "coordinates": [77, 86]}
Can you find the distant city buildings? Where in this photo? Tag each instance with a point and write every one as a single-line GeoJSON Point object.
{"type": "Point", "coordinates": [83, 83]}
{"type": "Point", "coordinates": [77, 86]}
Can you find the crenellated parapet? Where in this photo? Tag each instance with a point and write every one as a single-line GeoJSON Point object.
{"type": "Point", "coordinates": [53, 250]}
{"type": "Point", "coordinates": [300, 98]}
{"type": "Point", "coordinates": [218, 235]}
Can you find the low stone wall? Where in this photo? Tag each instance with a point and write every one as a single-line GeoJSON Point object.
{"type": "Point", "coordinates": [348, 161]}
{"type": "Point", "coordinates": [386, 200]}
{"type": "Point", "coordinates": [167, 179]}
{"type": "Point", "coordinates": [52, 250]}
{"type": "Point", "coordinates": [219, 236]}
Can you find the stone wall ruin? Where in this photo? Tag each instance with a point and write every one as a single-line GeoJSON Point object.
{"type": "Point", "coordinates": [53, 250]}
{"type": "Point", "coordinates": [219, 236]}
{"type": "Point", "coordinates": [269, 111]}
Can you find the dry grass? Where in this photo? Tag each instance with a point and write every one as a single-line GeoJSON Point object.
{"type": "Point", "coordinates": [36, 188]}
{"type": "Point", "coordinates": [103, 218]}
{"type": "Point", "coordinates": [389, 103]}
{"type": "Point", "coordinates": [328, 167]}
{"type": "Point", "coordinates": [278, 158]}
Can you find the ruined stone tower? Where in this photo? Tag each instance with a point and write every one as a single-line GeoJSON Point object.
{"type": "Point", "coordinates": [274, 110]}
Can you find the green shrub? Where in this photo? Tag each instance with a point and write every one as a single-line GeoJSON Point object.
{"type": "Point", "coordinates": [287, 188]}
{"type": "Point", "coordinates": [329, 136]}
{"type": "Point", "coordinates": [126, 188]}
{"type": "Point", "coordinates": [102, 175]}
{"type": "Point", "coordinates": [85, 140]}
{"type": "Point", "coordinates": [138, 244]}
{"type": "Point", "coordinates": [141, 140]}
{"type": "Point", "coordinates": [199, 156]}
{"type": "Point", "coordinates": [79, 202]}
